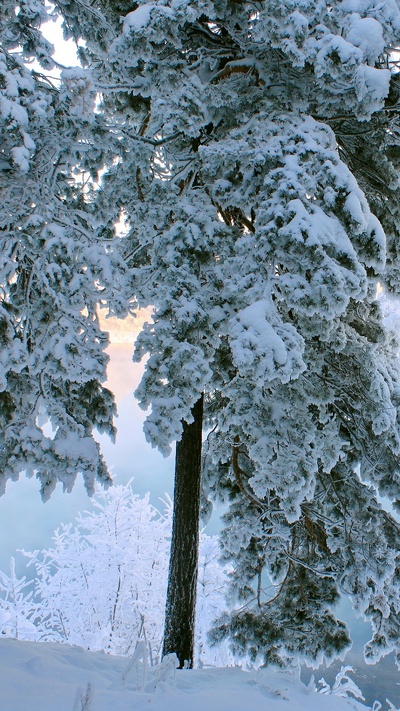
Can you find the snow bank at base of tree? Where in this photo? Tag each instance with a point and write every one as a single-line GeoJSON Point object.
{"type": "Point", "coordinates": [53, 677]}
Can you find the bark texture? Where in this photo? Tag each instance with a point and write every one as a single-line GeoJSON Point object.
{"type": "Point", "coordinates": [182, 578]}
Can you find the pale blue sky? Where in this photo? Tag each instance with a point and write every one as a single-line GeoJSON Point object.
{"type": "Point", "coordinates": [26, 522]}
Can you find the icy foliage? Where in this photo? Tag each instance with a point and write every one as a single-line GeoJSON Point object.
{"type": "Point", "coordinates": [342, 686]}
{"type": "Point", "coordinates": [16, 606]}
{"type": "Point", "coordinates": [102, 586]}
{"type": "Point", "coordinates": [57, 261]}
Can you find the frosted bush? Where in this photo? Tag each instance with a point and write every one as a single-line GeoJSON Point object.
{"type": "Point", "coordinates": [103, 584]}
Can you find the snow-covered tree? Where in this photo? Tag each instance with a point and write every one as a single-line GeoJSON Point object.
{"type": "Point", "coordinates": [17, 607]}
{"type": "Point", "coordinates": [56, 263]}
{"type": "Point", "coordinates": [102, 585]}
{"type": "Point", "coordinates": [251, 237]}
{"type": "Point", "coordinates": [343, 541]}
{"type": "Point", "coordinates": [251, 149]}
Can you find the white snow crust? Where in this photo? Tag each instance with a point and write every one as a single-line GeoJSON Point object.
{"type": "Point", "coordinates": [47, 677]}
{"type": "Point", "coordinates": [367, 34]}
{"type": "Point", "coordinates": [139, 19]}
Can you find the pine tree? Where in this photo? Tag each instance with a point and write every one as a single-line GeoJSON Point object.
{"type": "Point", "coordinates": [251, 151]}
{"type": "Point", "coordinates": [57, 263]}
{"type": "Point", "coordinates": [180, 612]}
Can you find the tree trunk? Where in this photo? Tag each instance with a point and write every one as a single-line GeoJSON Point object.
{"type": "Point", "coordinates": [182, 577]}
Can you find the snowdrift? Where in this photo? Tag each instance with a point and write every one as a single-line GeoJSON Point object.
{"type": "Point", "coordinates": [54, 677]}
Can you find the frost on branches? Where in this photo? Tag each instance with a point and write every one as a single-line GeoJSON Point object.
{"type": "Point", "coordinates": [253, 151]}
{"type": "Point", "coordinates": [102, 585]}
{"type": "Point", "coordinates": [16, 606]}
{"type": "Point", "coordinates": [56, 263]}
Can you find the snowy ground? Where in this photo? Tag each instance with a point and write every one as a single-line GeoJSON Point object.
{"type": "Point", "coordinates": [52, 677]}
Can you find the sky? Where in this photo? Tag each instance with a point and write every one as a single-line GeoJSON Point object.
{"type": "Point", "coordinates": [29, 523]}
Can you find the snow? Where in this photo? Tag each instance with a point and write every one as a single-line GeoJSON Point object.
{"type": "Point", "coordinates": [20, 156]}
{"type": "Point", "coordinates": [264, 349]}
{"type": "Point", "coordinates": [10, 621]}
{"type": "Point", "coordinates": [137, 19]}
{"type": "Point", "coordinates": [49, 676]}
{"type": "Point", "coordinates": [140, 18]}
{"type": "Point", "coordinates": [372, 84]}
{"type": "Point", "coordinates": [75, 446]}
{"type": "Point", "coordinates": [367, 34]}
{"type": "Point", "coordinates": [253, 318]}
